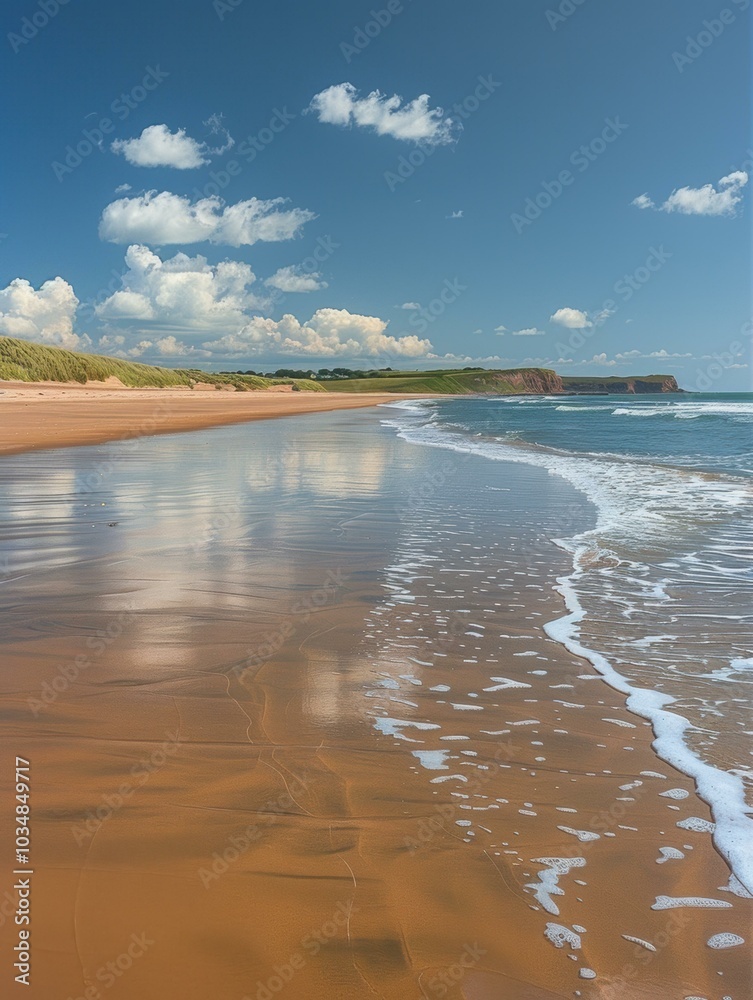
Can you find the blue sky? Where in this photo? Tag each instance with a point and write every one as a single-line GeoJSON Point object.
{"type": "Point", "coordinates": [572, 189]}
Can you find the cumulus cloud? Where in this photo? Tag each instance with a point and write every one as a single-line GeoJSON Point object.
{"type": "Point", "coordinates": [122, 188]}
{"type": "Point", "coordinates": [705, 200]}
{"type": "Point", "coordinates": [572, 319]}
{"type": "Point", "coordinates": [500, 330]}
{"type": "Point", "coordinates": [162, 217]}
{"type": "Point", "coordinates": [295, 279]}
{"type": "Point", "coordinates": [412, 122]}
{"type": "Point", "coordinates": [329, 333]}
{"type": "Point", "coordinates": [455, 215]}
{"type": "Point", "coordinates": [183, 293]}
{"type": "Point", "coordinates": [46, 314]}
{"type": "Point", "coordinates": [530, 331]}
{"type": "Point", "coordinates": [157, 146]}
{"type": "Point", "coordinates": [601, 360]}
{"type": "Point", "coordinates": [171, 347]}
{"type": "Point", "coordinates": [411, 305]}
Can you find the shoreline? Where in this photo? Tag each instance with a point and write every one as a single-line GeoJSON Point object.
{"type": "Point", "coordinates": [37, 416]}
{"type": "Point", "coordinates": [352, 719]}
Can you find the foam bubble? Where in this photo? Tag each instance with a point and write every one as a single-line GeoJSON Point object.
{"type": "Point", "coordinates": [560, 936]}
{"type": "Point", "coordinates": [701, 902]}
{"type": "Point", "coordinates": [548, 884]}
{"type": "Point", "coordinates": [669, 854]}
{"type": "Point", "coordinates": [635, 940]}
{"type": "Point", "coordinates": [725, 940]}
{"type": "Point", "coordinates": [582, 835]}
{"type": "Point", "coordinates": [696, 824]}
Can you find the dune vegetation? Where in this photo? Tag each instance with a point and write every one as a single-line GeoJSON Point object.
{"type": "Point", "coordinates": [23, 361]}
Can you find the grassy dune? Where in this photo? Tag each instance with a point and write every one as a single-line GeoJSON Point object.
{"type": "Point", "coordinates": [22, 361]}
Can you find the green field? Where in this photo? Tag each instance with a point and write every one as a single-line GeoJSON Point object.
{"type": "Point", "coordinates": [453, 382]}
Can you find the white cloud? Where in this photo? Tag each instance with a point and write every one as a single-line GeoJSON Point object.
{"type": "Point", "coordinates": [163, 218]}
{"type": "Point", "coordinates": [411, 305]}
{"type": "Point", "coordinates": [182, 293]}
{"type": "Point", "coordinates": [705, 200]}
{"type": "Point", "coordinates": [500, 330]}
{"type": "Point", "coordinates": [643, 201]}
{"type": "Point", "coordinates": [122, 188]}
{"type": "Point", "coordinates": [157, 146]}
{"type": "Point", "coordinates": [600, 360]}
{"type": "Point", "coordinates": [456, 215]}
{"type": "Point", "coordinates": [661, 355]}
{"type": "Point", "coordinates": [45, 315]}
{"type": "Point", "coordinates": [665, 354]}
{"type": "Point", "coordinates": [329, 333]}
{"type": "Point", "coordinates": [413, 122]}
{"type": "Point", "coordinates": [293, 279]}
{"type": "Point", "coordinates": [530, 331]}
{"type": "Point", "coordinates": [171, 347]}
{"type": "Point", "coordinates": [138, 349]}
{"type": "Point", "coordinates": [573, 319]}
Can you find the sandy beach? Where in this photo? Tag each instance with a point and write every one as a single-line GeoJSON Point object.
{"type": "Point", "coordinates": [295, 729]}
{"type": "Point", "coordinates": [47, 415]}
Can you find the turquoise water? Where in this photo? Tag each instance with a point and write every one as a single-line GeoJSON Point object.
{"type": "Point", "coordinates": [660, 598]}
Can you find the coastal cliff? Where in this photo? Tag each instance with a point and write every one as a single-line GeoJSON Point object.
{"type": "Point", "coordinates": [650, 383]}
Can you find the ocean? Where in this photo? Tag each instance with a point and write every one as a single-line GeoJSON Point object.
{"type": "Point", "coordinates": [660, 596]}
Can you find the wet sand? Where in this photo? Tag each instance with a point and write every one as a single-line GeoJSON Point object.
{"type": "Point", "coordinates": [48, 415]}
{"type": "Point", "coordinates": [318, 735]}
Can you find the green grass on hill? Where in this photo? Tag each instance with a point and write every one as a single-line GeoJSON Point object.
{"type": "Point", "coordinates": [22, 361]}
{"type": "Point", "coordinates": [456, 382]}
